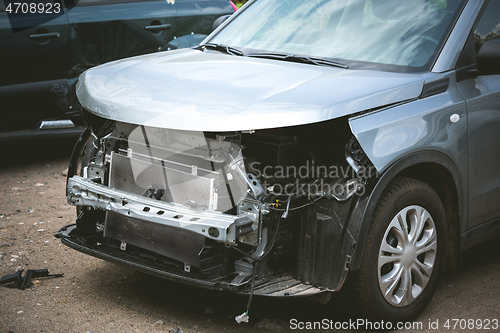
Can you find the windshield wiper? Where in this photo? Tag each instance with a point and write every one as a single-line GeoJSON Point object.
{"type": "Point", "coordinates": [222, 48]}
{"type": "Point", "coordinates": [300, 59]}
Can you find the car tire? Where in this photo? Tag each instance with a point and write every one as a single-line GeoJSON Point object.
{"type": "Point", "coordinates": [405, 250]}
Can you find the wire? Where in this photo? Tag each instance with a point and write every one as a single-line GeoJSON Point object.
{"type": "Point", "coordinates": [254, 273]}
{"type": "Point", "coordinates": [299, 207]}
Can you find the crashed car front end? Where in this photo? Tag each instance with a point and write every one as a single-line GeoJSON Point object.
{"type": "Point", "coordinates": [196, 169]}
{"type": "Point", "coordinates": [251, 162]}
{"type": "Point", "coordinates": [221, 210]}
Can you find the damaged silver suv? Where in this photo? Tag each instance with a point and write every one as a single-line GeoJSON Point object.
{"type": "Point", "coordinates": [303, 147]}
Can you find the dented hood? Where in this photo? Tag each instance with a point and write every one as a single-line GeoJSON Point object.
{"type": "Point", "coordinates": [197, 91]}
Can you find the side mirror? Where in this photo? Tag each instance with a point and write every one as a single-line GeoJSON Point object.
{"type": "Point", "coordinates": [488, 58]}
{"type": "Point", "coordinates": [219, 21]}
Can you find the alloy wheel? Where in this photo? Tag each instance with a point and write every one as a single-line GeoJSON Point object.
{"type": "Point", "coordinates": [407, 255]}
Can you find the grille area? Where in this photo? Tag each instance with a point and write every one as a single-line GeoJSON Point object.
{"type": "Point", "coordinates": [137, 174]}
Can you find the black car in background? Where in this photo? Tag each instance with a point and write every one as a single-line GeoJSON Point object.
{"type": "Point", "coordinates": [41, 64]}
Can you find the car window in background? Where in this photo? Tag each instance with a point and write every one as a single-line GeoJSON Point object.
{"type": "Point", "coordinates": [489, 25]}
{"type": "Point", "coordinates": [387, 32]}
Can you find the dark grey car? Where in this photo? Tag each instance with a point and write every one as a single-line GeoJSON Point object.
{"type": "Point", "coordinates": [304, 147]}
{"type": "Point", "coordinates": [43, 60]}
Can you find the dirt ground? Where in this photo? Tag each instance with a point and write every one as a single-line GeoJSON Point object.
{"type": "Point", "coordinates": [97, 296]}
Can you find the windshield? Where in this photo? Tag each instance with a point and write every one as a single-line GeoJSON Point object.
{"type": "Point", "coordinates": [400, 35]}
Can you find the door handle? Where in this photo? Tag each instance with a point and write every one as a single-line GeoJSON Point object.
{"type": "Point", "coordinates": [45, 36]}
{"type": "Point", "coordinates": [158, 27]}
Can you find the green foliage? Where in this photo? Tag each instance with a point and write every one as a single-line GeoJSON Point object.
{"type": "Point", "coordinates": [239, 3]}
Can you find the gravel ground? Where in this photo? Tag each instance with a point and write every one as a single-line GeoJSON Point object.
{"type": "Point", "coordinates": [97, 296]}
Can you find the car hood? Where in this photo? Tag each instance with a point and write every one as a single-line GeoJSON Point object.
{"type": "Point", "coordinates": [197, 91]}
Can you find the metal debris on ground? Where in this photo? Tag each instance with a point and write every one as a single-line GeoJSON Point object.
{"type": "Point", "coordinates": [20, 282]}
{"type": "Point", "coordinates": [179, 330]}
{"type": "Point", "coordinates": [242, 318]}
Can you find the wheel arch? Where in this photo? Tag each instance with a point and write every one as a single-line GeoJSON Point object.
{"type": "Point", "coordinates": [437, 170]}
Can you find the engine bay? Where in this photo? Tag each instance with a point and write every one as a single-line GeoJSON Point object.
{"type": "Point", "coordinates": [226, 208]}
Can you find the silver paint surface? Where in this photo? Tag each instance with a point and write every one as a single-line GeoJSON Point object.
{"type": "Point", "coordinates": [192, 90]}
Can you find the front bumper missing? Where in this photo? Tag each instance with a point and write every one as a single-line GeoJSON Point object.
{"type": "Point", "coordinates": [83, 192]}
{"type": "Point", "coordinates": [278, 285]}
{"type": "Point", "coordinates": [213, 225]}
{"type": "Point", "coordinates": [101, 251]}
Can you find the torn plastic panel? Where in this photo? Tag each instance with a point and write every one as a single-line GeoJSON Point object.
{"type": "Point", "coordinates": [272, 204]}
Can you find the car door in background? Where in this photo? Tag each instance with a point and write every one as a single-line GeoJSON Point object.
{"type": "Point", "coordinates": [41, 64]}
{"type": "Point", "coordinates": [138, 27]}
{"type": "Point", "coordinates": [34, 61]}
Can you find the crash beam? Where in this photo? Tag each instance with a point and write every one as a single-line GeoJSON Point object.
{"type": "Point", "coordinates": [213, 225]}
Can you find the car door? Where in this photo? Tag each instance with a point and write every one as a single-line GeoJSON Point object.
{"type": "Point", "coordinates": [482, 94]}
{"type": "Point", "coordinates": [34, 60]}
{"type": "Point", "coordinates": [107, 30]}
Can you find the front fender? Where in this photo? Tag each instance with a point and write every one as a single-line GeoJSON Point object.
{"type": "Point", "coordinates": [420, 125]}
{"type": "Point", "coordinates": [409, 134]}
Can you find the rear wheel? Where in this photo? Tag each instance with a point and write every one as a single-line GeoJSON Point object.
{"type": "Point", "coordinates": [404, 253]}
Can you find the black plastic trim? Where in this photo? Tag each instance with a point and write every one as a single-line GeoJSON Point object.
{"type": "Point", "coordinates": [56, 133]}
{"type": "Point", "coordinates": [480, 233]}
{"type": "Point", "coordinates": [436, 87]}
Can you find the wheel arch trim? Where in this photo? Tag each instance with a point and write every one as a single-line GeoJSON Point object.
{"type": "Point", "coordinates": [393, 171]}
